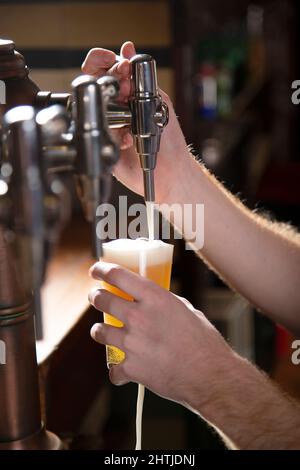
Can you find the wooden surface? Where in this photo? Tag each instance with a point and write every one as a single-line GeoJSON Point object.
{"type": "Point", "coordinates": [65, 293]}
{"type": "Point", "coordinates": [72, 367]}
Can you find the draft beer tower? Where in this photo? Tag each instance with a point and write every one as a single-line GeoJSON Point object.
{"type": "Point", "coordinates": [42, 134]}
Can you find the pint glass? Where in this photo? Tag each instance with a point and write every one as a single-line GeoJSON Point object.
{"type": "Point", "coordinates": [151, 259]}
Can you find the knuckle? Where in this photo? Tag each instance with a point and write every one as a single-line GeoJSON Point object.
{"type": "Point", "coordinates": [97, 301]}
{"type": "Point", "coordinates": [166, 97]}
{"type": "Point", "coordinates": [154, 294]}
{"type": "Point", "coordinates": [128, 343]}
{"type": "Point", "coordinates": [149, 289]}
{"type": "Point", "coordinates": [134, 315]}
{"type": "Point", "coordinates": [198, 313]}
{"type": "Point", "coordinates": [101, 297]}
{"type": "Point", "coordinates": [184, 301]}
{"type": "Point", "coordinates": [127, 311]}
{"type": "Point", "coordinates": [114, 273]}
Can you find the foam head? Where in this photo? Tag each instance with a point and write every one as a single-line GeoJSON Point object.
{"type": "Point", "coordinates": [127, 252]}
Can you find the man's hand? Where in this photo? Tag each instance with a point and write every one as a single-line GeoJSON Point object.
{"type": "Point", "coordinates": [174, 351]}
{"type": "Point", "coordinates": [169, 345]}
{"type": "Point", "coordinates": [173, 152]}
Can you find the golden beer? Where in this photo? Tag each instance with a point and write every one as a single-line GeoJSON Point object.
{"type": "Point", "coordinates": [151, 259]}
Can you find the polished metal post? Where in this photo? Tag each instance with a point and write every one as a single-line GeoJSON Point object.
{"type": "Point", "coordinates": [20, 418]}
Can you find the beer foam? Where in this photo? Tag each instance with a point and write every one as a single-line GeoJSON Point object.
{"type": "Point", "coordinates": [126, 251]}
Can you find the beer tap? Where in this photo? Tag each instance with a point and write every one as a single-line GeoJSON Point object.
{"type": "Point", "coordinates": [92, 139]}
{"type": "Point", "coordinates": [147, 115]}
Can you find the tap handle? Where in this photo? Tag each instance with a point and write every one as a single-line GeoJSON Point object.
{"type": "Point", "coordinates": [144, 77]}
{"type": "Point", "coordinates": [149, 116]}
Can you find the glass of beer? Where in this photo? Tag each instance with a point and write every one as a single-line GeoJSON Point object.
{"type": "Point", "coordinates": [151, 259]}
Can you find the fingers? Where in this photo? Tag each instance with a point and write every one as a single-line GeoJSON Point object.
{"type": "Point", "coordinates": [120, 69]}
{"type": "Point", "coordinates": [126, 280]}
{"type": "Point", "coordinates": [126, 139]}
{"type": "Point", "coordinates": [98, 61]}
{"type": "Point", "coordinates": [107, 334]}
{"type": "Point", "coordinates": [128, 50]}
{"type": "Point", "coordinates": [107, 302]}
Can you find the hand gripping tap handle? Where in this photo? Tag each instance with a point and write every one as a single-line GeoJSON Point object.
{"type": "Point", "coordinates": [149, 117]}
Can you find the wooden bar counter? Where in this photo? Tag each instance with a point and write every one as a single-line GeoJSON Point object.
{"type": "Point", "coordinates": [72, 366]}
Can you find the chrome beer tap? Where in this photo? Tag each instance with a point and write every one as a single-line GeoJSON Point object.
{"type": "Point", "coordinates": [147, 115]}
{"type": "Point", "coordinates": [96, 151]}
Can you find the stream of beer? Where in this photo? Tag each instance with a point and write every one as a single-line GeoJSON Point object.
{"type": "Point", "coordinates": [150, 219]}
{"type": "Point", "coordinates": [143, 272]}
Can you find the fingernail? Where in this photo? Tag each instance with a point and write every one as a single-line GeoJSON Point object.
{"type": "Point", "coordinates": [98, 270]}
{"type": "Point", "coordinates": [91, 296]}
{"type": "Point", "coordinates": [91, 270]}
{"type": "Point", "coordinates": [95, 329]}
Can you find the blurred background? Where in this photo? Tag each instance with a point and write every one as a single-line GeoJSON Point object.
{"type": "Point", "coordinates": [228, 67]}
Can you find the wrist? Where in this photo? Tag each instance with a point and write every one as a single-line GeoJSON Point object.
{"type": "Point", "coordinates": [177, 186]}
{"type": "Point", "coordinates": [216, 392]}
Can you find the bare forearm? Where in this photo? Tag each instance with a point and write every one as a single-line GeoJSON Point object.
{"type": "Point", "coordinates": [255, 257]}
{"type": "Point", "coordinates": [248, 410]}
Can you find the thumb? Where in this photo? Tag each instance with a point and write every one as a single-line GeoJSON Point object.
{"type": "Point", "coordinates": [117, 375]}
{"type": "Point", "coordinates": [128, 50]}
